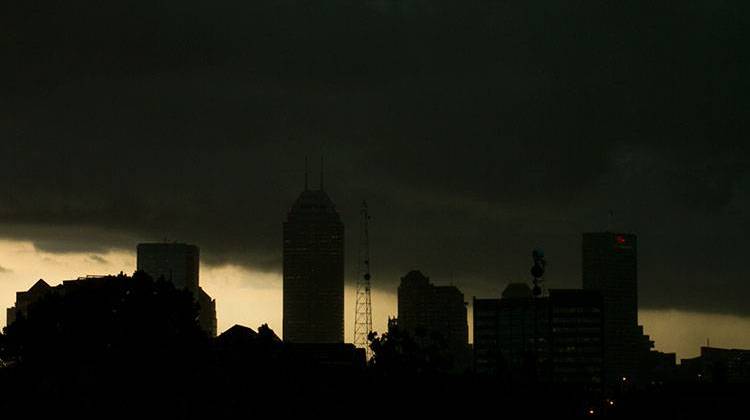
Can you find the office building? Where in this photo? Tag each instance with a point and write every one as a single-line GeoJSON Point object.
{"type": "Point", "coordinates": [717, 366]}
{"type": "Point", "coordinates": [24, 299]}
{"type": "Point", "coordinates": [179, 264]}
{"type": "Point", "coordinates": [511, 333]}
{"type": "Point", "coordinates": [176, 262]}
{"type": "Point", "coordinates": [576, 339]}
{"type": "Point", "coordinates": [313, 252]}
{"type": "Point", "coordinates": [556, 338]}
{"type": "Point", "coordinates": [610, 266]}
{"type": "Point", "coordinates": [425, 310]}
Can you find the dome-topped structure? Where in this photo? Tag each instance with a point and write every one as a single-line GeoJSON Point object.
{"type": "Point", "coordinates": [415, 278]}
{"type": "Point", "coordinates": [313, 203]}
{"type": "Point", "coordinates": [517, 291]}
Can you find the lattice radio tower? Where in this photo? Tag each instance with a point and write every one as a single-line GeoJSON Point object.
{"type": "Point", "coordinates": [363, 307]}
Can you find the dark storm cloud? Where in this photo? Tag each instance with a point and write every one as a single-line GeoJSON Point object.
{"type": "Point", "coordinates": [476, 130]}
{"type": "Point", "coordinates": [98, 259]}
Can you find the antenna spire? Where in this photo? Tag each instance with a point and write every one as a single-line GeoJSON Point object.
{"type": "Point", "coordinates": [306, 171]}
{"type": "Point", "coordinates": [321, 173]}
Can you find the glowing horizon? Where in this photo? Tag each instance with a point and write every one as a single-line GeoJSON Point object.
{"type": "Point", "coordinates": [252, 298]}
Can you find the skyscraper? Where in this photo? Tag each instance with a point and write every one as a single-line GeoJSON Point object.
{"type": "Point", "coordinates": [176, 262]}
{"type": "Point", "coordinates": [610, 265]}
{"type": "Point", "coordinates": [180, 264]}
{"type": "Point", "coordinates": [313, 270]}
{"type": "Point", "coordinates": [425, 310]}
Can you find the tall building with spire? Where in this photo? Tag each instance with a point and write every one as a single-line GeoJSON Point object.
{"type": "Point", "coordinates": [610, 266]}
{"type": "Point", "coordinates": [313, 270]}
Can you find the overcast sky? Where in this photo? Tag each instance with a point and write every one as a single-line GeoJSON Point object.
{"type": "Point", "coordinates": [476, 131]}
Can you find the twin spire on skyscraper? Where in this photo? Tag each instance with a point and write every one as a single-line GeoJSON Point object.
{"type": "Point", "coordinates": [307, 172]}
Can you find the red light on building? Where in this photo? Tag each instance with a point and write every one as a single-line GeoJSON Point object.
{"type": "Point", "coordinates": [620, 239]}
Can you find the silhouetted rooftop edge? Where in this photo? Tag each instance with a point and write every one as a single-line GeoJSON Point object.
{"type": "Point", "coordinates": [313, 202]}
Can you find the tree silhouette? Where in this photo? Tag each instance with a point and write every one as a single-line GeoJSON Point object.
{"type": "Point", "coordinates": [397, 352]}
{"type": "Point", "coordinates": [109, 319]}
{"type": "Point", "coordinates": [3, 350]}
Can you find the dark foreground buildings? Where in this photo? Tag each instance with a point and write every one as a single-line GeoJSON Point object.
{"type": "Point", "coordinates": [24, 299]}
{"type": "Point", "coordinates": [175, 262]}
{"type": "Point", "coordinates": [557, 338]}
{"type": "Point", "coordinates": [313, 271]}
{"type": "Point", "coordinates": [241, 345]}
{"type": "Point", "coordinates": [507, 331]}
{"type": "Point", "coordinates": [179, 264]}
{"type": "Point", "coordinates": [104, 308]}
{"type": "Point", "coordinates": [428, 312]}
{"type": "Point", "coordinates": [717, 366]}
{"type": "Point", "coordinates": [585, 336]}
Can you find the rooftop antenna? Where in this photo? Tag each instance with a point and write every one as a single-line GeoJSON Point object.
{"type": "Point", "coordinates": [306, 171]}
{"type": "Point", "coordinates": [537, 271]}
{"type": "Point", "coordinates": [321, 173]}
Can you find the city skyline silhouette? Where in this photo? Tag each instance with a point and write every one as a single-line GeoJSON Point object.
{"type": "Point", "coordinates": [595, 152]}
{"type": "Point", "coordinates": [385, 306]}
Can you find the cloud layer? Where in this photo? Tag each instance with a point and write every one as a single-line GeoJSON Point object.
{"type": "Point", "coordinates": [475, 130]}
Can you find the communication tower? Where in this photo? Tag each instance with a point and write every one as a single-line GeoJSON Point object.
{"type": "Point", "coordinates": [363, 306]}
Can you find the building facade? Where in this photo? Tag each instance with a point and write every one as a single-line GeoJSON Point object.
{"type": "Point", "coordinates": [425, 310]}
{"type": "Point", "coordinates": [313, 252]}
{"type": "Point", "coordinates": [179, 264]}
{"type": "Point", "coordinates": [26, 298]}
{"type": "Point", "coordinates": [610, 266]}
{"type": "Point", "coordinates": [577, 335]}
{"type": "Point", "coordinates": [176, 262]}
{"type": "Point", "coordinates": [717, 366]}
{"type": "Point", "coordinates": [487, 357]}
{"type": "Point", "coordinates": [556, 338]}
{"type": "Point", "coordinates": [511, 333]}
